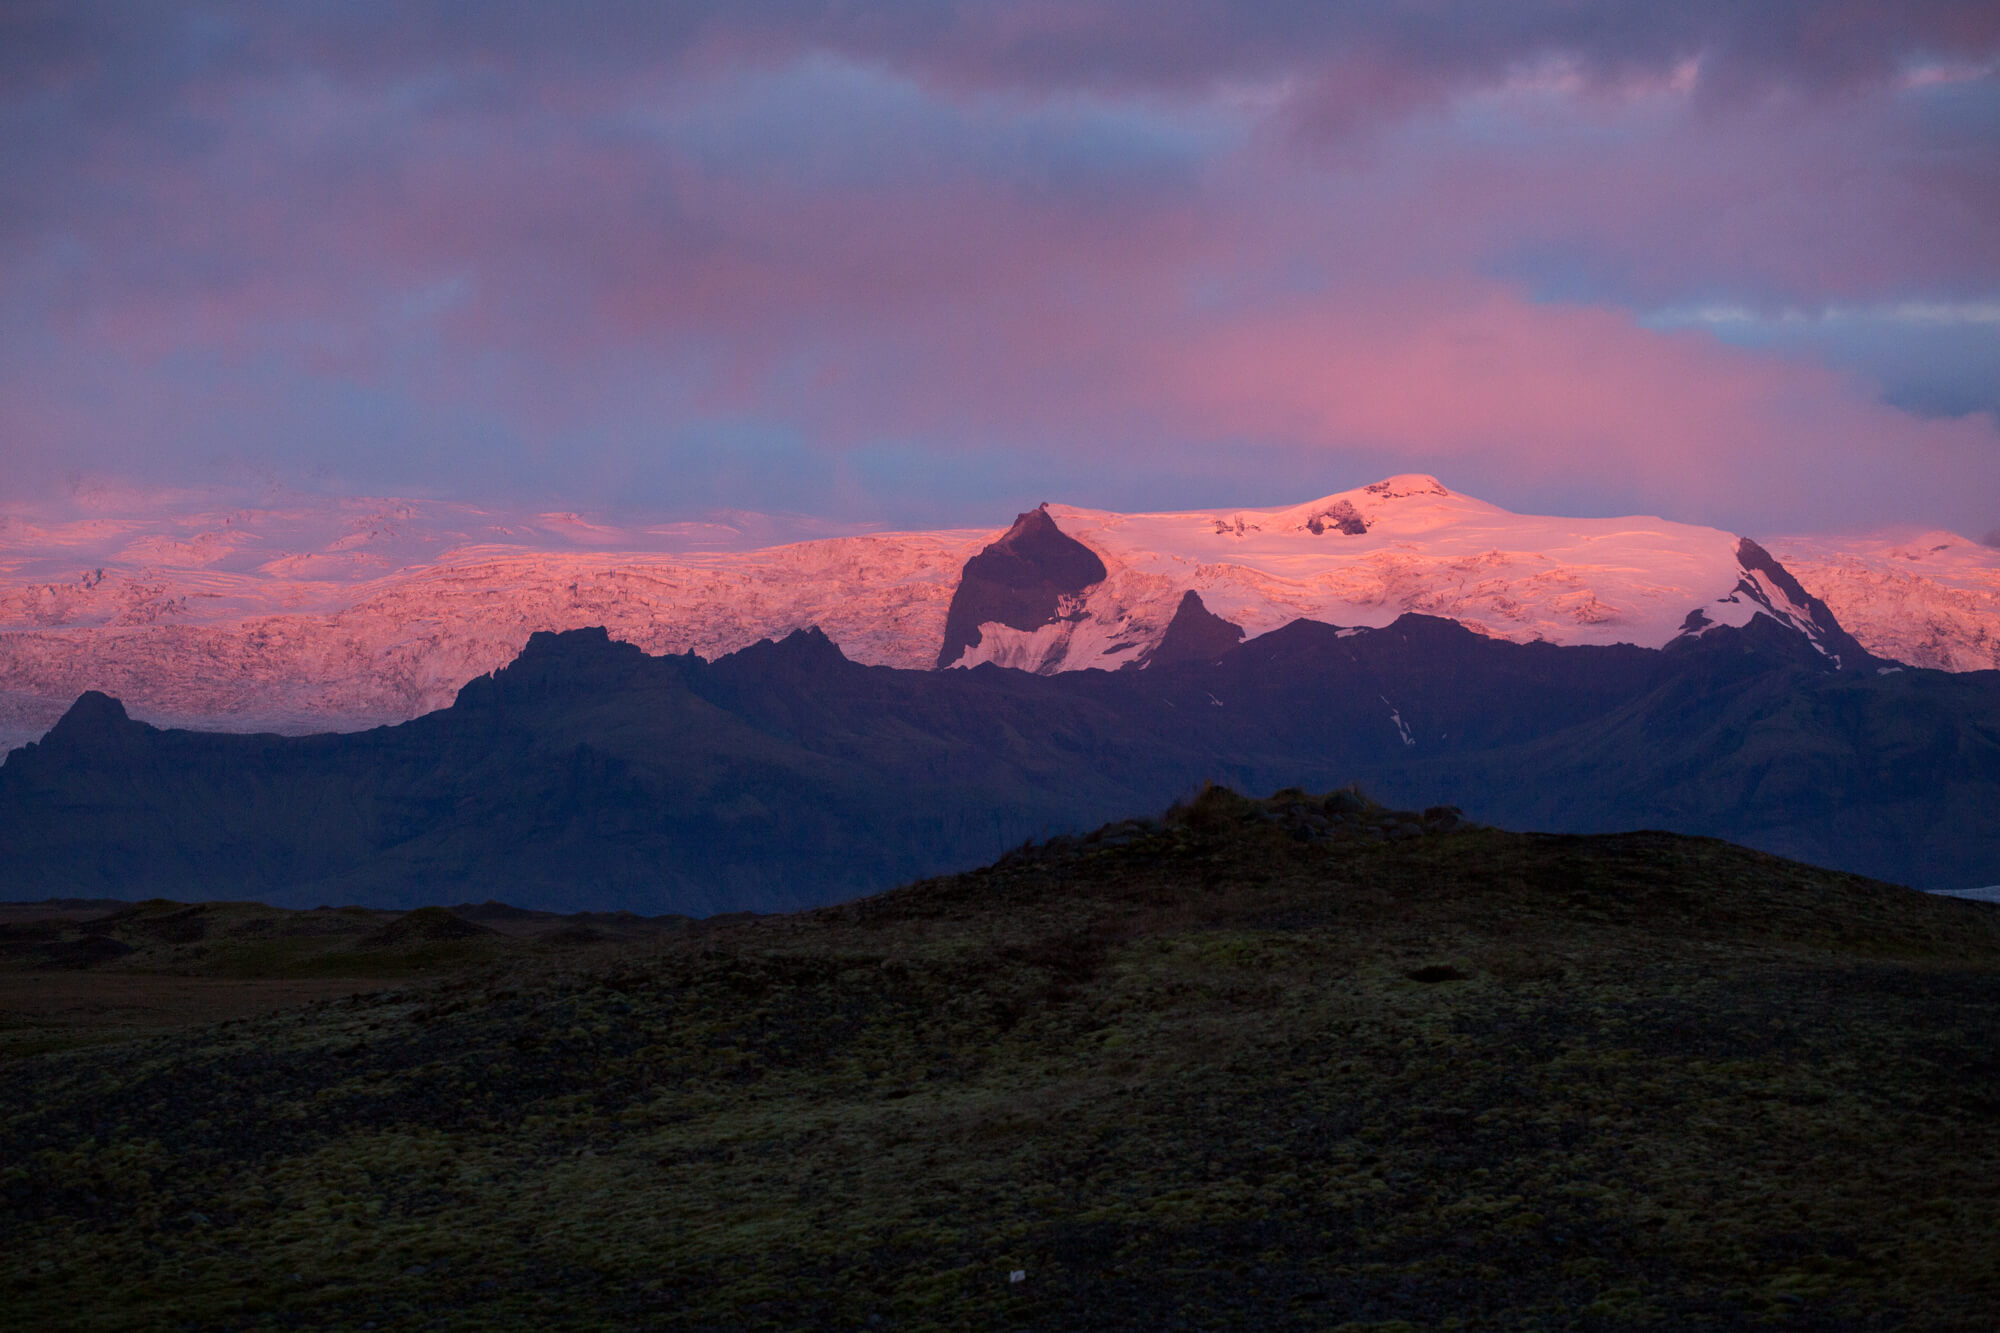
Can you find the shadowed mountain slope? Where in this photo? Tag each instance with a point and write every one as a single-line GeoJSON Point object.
{"type": "Point", "coordinates": [588, 774]}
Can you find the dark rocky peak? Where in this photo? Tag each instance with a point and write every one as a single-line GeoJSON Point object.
{"type": "Point", "coordinates": [572, 661]}
{"type": "Point", "coordinates": [1412, 627]}
{"type": "Point", "coordinates": [93, 711]}
{"type": "Point", "coordinates": [1291, 644]}
{"type": "Point", "coordinates": [1417, 628]}
{"type": "Point", "coordinates": [1018, 581]}
{"type": "Point", "coordinates": [96, 721]}
{"type": "Point", "coordinates": [1195, 634]}
{"type": "Point", "coordinates": [1296, 634]}
{"type": "Point", "coordinates": [787, 689]}
{"type": "Point", "coordinates": [1035, 552]}
{"type": "Point", "coordinates": [592, 643]}
{"type": "Point", "coordinates": [802, 653]}
{"type": "Point", "coordinates": [1801, 610]}
{"type": "Point", "coordinates": [1412, 636]}
{"type": "Point", "coordinates": [1752, 556]}
{"type": "Point", "coordinates": [809, 645]}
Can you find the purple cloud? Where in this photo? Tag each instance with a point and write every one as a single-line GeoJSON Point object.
{"type": "Point", "coordinates": [691, 255]}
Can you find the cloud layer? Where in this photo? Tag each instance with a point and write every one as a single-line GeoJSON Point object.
{"type": "Point", "coordinates": [1732, 263]}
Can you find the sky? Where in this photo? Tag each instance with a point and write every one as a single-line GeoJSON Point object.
{"type": "Point", "coordinates": [929, 264]}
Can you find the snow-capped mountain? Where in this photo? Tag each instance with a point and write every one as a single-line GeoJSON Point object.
{"type": "Point", "coordinates": [1363, 557]}
{"type": "Point", "coordinates": [338, 615]}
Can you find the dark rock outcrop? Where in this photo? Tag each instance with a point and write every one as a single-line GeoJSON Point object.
{"type": "Point", "coordinates": [1018, 581]}
{"type": "Point", "coordinates": [1341, 516]}
{"type": "Point", "coordinates": [98, 723]}
{"type": "Point", "coordinates": [1842, 649]}
{"type": "Point", "coordinates": [1195, 634]}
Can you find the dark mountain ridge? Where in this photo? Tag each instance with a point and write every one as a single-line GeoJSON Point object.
{"type": "Point", "coordinates": [588, 774]}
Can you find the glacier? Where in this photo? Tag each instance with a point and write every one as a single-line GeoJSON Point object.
{"type": "Point", "coordinates": [341, 615]}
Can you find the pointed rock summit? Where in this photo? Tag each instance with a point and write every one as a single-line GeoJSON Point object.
{"type": "Point", "coordinates": [1195, 634]}
{"type": "Point", "coordinates": [1020, 581]}
{"type": "Point", "coordinates": [94, 710]}
{"type": "Point", "coordinates": [800, 654]}
{"type": "Point", "coordinates": [1795, 607]}
{"type": "Point", "coordinates": [562, 662]}
{"type": "Point", "coordinates": [95, 721]}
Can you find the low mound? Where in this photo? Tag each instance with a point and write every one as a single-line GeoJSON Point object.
{"type": "Point", "coordinates": [425, 925]}
{"type": "Point", "coordinates": [161, 920]}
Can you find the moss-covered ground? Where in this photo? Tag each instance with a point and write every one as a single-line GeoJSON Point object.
{"type": "Point", "coordinates": [1250, 1067]}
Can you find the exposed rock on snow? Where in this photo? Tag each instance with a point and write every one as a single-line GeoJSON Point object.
{"type": "Point", "coordinates": [1033, 576]}
{"type": "Point", "coordinates": [1768, 588]}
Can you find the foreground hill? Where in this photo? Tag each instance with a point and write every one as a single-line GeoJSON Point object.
{"type": "Point", "coordinates": [338, 615]}
{"type": "Point", "coordinates": [1226, 1070]}
{"type": "Point", "coordinates": [590, 775]}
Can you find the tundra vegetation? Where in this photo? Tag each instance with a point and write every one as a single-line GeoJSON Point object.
{"type": "Point", "coordinates": [1292, 1063]}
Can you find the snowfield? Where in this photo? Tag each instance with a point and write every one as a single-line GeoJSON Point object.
{"type": "Point", "coordinates": [1931, 599]}
{"type": "Point", "coordinates": [338, 615]}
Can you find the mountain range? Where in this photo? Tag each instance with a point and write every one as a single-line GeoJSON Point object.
{"type": "Point", "coordinates": [344, 615]}
{"type": "Point", "coordinates": [589, 774]}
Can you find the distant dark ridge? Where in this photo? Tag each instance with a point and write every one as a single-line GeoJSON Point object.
{"type": "Point", "coordinates": [427, 925]}
{"type": "Point", "coordinates": [68, 904]}
{"type": "Point", "coordinates": [588, 775]}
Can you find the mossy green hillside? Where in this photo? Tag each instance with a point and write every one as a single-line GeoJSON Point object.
{"type": "Point", "coordinates": [1280, 1064]}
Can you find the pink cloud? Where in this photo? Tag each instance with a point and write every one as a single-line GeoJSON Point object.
{"type": "Point", "coordinates": [1477, 376]}
{"type": "Point", "coordinates": [576, 257]}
